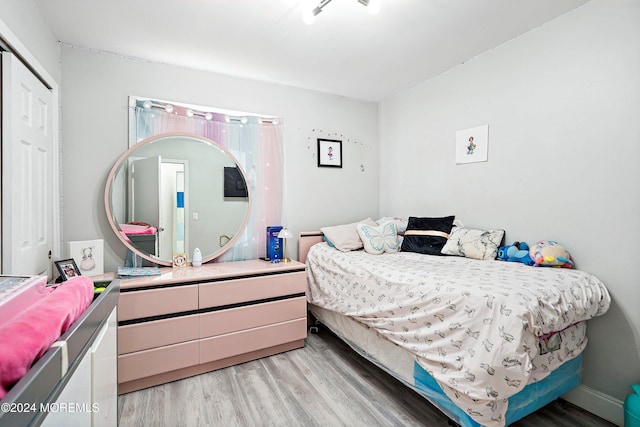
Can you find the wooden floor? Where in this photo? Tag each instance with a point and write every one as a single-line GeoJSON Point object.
{"type": "Point", "coordinates": [323, 384]}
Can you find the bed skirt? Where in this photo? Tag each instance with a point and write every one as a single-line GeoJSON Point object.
{"type": "Point", "coordinates": [528, 400]}
{"type": "Point", "coordinates": [402, 365]}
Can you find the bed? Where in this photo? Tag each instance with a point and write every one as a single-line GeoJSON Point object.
{"type": "Point", "coordinates": [487, 342]}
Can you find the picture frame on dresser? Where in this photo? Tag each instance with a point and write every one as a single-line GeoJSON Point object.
{"type": "Point", "coordinates": [67, 268]}
{"type": "Point", "coordinates": [88, 255]}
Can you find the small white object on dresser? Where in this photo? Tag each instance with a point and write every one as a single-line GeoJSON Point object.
{"type": "Point", "coordinates": [196, 260]}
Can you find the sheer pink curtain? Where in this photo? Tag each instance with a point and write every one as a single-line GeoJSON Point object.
{"type": "Point", "coordinates": [258, 147]}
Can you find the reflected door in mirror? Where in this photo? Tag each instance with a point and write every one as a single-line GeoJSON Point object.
{"type": "Point", "coordinates": [174, 184]}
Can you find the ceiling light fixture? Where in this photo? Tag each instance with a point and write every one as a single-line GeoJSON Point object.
{"type": "Point", "coordinates": [373, 6]}
{"type": "Point", "coordinates": [309, 15]}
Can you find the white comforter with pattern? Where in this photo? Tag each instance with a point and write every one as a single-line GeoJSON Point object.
{"type": "Point", "coordinates": [473, 325]}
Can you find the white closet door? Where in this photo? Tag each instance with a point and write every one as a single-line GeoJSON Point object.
{"type": "Point", "coordinates": [27, 170]}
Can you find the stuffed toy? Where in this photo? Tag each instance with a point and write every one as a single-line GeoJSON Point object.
{"type": "Point", "coordinates": [518, 252]}
{"type": "Point", "coordinates": [547, 253]}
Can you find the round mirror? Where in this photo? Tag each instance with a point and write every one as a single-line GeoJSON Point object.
{"type": "Point", "coordinates": [172, 193]}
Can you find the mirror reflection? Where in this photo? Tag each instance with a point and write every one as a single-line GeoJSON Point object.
{"type": "Point", "coordinates": [173, 193]}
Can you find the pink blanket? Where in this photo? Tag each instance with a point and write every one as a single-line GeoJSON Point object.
{"type": "Point", "coordinates": [137, 229]}
{"type": "Point", "coordinates": [127, 229]}
{"type": "Point", "coordinates": [29, 334]}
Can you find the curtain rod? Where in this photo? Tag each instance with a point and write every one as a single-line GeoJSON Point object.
{"type": "Point", "coordinates": [208, 115]}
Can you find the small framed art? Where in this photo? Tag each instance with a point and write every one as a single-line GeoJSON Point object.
{"type": "Point", "coordinates": [180, 260]}
{"type": "Point", "coordinates": [472, 145]}
{"type": "Point", "coordinates": [329, 153]}
{"type": "Point", "coordinates": [67, 268]}
{"type": "Point", "coordinates": [88, 255]}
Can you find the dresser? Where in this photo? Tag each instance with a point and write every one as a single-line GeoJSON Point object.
{"type": "Point", "coordinates": [191, 320]}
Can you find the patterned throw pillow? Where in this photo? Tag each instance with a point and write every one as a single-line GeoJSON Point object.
{"type": "Point", "coordinates": [380, 239]}
{"type": "Point", "coordinates": [476, 244]}
{"type": "Point", "coordinates": [401, 223]}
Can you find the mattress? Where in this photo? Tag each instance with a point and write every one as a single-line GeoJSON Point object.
{"type": "Point", "coordinates": [474, 326]}
{"type": "Point", "coordinates": [403, 366]}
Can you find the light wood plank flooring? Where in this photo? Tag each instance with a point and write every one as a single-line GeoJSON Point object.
{"type": "Point", "coordinates": [323, 384]}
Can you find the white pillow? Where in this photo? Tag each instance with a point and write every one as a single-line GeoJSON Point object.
{"type": "Point", "coordinates": [401, 223]}
{"type": "Point", "coordinates": [345, 237]}
{"type": "Point", "coordinates": [476, 244]}
{"type": "Point", "coordinates": [380, 239]}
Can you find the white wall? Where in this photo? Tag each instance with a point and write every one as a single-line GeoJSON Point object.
{"type": "Point", "coordinates": [563, 105]}
{"type": "Point", "coordinates": [23, 19]}
{"type": "Point", "coordinates": [95, 88]}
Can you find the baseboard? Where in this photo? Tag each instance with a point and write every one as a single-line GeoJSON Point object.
{"type": "Point", "coordinates": [597, 403]}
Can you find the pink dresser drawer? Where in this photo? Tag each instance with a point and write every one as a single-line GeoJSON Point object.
{"type": "Point", "coordinates": [154, 302]}
{"type": "Point", "coordinates": [252, 316]}
{"type": "Point", "coordinates": [146, 363]}
{"type": "Point", "coordinates": [227, 292]}
{"type": "Point", "coordinates": [143, 336]}
{"type": "Point", "coordinates": [236, 343]}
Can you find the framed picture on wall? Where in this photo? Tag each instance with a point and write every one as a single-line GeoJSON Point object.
{"type": "Point", "coordinates": [329, 153]}
{"type": "Point", "coordinates": [472, 145]}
